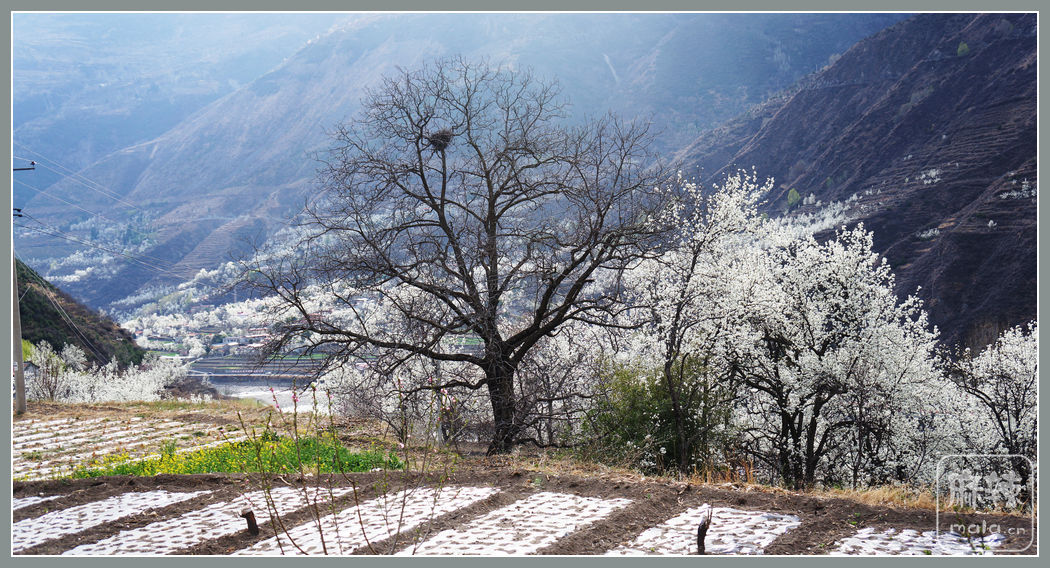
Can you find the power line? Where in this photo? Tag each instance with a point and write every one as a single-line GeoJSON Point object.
{"type": "Point", "coordinates": [77, 177]}
{"type": "Point", "coordinates": [68, 172]}
{"type": "Point", "coordinates": [56, 233]}
{"type": "Point", "coordinates": [106, 193]}
{"type": "Point", "coordinates": [71, 204]}
{"type": "Point", "coordinates": [94, 186]}
{"type": "Point", "coordinates": [76, 329]}
{"type": "Point", "coordinates": [73, 175]}
{"type": "Point", "coordinates": [100, 355]}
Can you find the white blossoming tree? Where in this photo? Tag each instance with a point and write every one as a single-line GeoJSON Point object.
{"type": "Point", "coordinates": [67, 377]}
{"type": "Point", "coordinates": [195, 347]}
{"type": "Point", "coordinates": [684, 302]}
{"type": "Point", "coordinates": [830, 346]}
{"type": "Point", "coordinates": [1003, 380]}
{"type": "Point", "coordinates": [49, 381]}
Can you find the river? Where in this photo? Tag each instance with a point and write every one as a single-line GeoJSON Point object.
{"type": "Point", "coordinates": [273, 392]}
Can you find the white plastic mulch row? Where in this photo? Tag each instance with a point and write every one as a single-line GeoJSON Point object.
{"type": "Point", "coordinates": [911, 542]}
{"type": "Point", "coordinates": [96, 435]}
{"type": "Point", "coordinates": [123, 440]}
{"type": "Point", "coordinates": [522, 527]}
{"type": "Point", "coordinates": [31, 532]}
{"type": "Point", "coordinates": [125, 444]}
{"type": "Point", "coordinates": [45, 424]}
{"type": "Point", "coordinates": [214, 521]}
{"type": "Point", "coordinates": [26, 432]}
{"type": "Point", "coordinates": [372, 521]}
{"type": "Point", "coordinates": [732, 531]}
{"type": "Point", "coordinates": [140, 434]}
{"type": "Point", "coordinates": [23, 502]}
{"type": "Point", "coordinates": [56, 468]}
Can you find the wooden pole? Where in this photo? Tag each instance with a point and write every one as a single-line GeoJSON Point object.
{"type": "Point", "coordinates": [253, 526]}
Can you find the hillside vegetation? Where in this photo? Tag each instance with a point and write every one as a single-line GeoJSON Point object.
{"type": "Point", "coordinates": [49, 314]}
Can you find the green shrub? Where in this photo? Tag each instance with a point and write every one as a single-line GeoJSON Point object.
{"type": "Point", "coordinates": [623, 425]}
{"type": "Point", "coordinates": [793, 198]}
{"type": "Point", "coordinates": [632, 421]}
{"type": "Point", "coordinates": [963, 50]}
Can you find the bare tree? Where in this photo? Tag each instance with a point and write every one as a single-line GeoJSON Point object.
{"type": "Point", "coordinates": [464, 205]}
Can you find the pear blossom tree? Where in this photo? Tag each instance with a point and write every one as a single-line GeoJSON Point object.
{"type": "Point", "coordinates": [900, 429]}
{"type": "Point", "coordinates": [111, 384]}
{"type": "Point", "coordinates": [66, 376]}
{"type": "Point", "coordinates": [195, 347]}
{"type": "Point", "coordinates": [830, 327]}
{"type": "Point", "coordinates": [685, 299]}
{"type": "Point", "coordinates": [1003, 380]}
{"type": "Point", "coordinates": [462, 202]}
{"type": "Point", "coordinates": [48, 383]}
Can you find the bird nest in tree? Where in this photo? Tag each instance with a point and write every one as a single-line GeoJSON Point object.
{"type": "Point", "coordinates": [440, 139]}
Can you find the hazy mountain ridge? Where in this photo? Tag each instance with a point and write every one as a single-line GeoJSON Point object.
{"type": "Point", "coordinates": [88, 84]}
{"type": "Point", "coordinates": [243, 165]}
{"type": "Point", "coordinates": [931, 124]}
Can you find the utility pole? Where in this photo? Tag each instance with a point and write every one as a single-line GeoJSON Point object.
{"type": "Point", "coordinates": [20, 377]}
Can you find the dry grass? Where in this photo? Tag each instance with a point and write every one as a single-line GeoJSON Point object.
{"type": "Point", "coordinates": [559, 464]}
{"type": "Point", "coordinates": [230, 416]}
{"type": "Point", "coordinates": [886, 496]}
{"type": "Point", "coordinates": [548, 463]}
{"type": "Point", "coordinates": [45, 411]}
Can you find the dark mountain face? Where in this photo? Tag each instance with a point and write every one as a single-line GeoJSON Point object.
{"type": "Point", "coordinates": [243, 165]}
{"type": "Point", "coordinates": [931, 125]}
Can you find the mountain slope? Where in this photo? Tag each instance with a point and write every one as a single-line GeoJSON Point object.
{"type": "Point", "coordinates": [49, 314]}
{"type": "Point", "coordinates": [930, 126]}
{"type": "Point", "coordinates": [242, 166]}
{"type": "Point", "coordinates": [85, 85]}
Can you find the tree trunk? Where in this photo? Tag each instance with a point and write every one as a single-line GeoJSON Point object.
{"type": "Point", "coordinates": [812, 456]}
{"type": "Point", "coordinates": [500, 376]}
{"type": "Point", "coordinates": [681, 442]}
{"type": "Point", "coordinates": [791, 468]}
{"type": "Point", "coordinates": [798, 452]}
